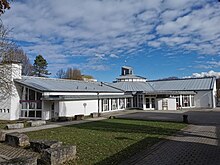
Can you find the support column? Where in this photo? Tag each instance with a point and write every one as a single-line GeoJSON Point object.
{"type": "Point", "coordinates": [144, 102]}
{"type": "Point", "coordinates": [190, 101]}
{"type": "Point", "coordinates": [132, 105]}
{"type": "Point", "coordinates": [181, 101]}
{"type": "Point", "coordinates": [110, 104]}
{"type": "Point", "coordinates": [125, 103]}
{"type": "Point", "coordinates": [118, 103]}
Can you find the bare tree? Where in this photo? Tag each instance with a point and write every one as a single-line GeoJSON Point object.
{"type": "Point", "coordinates": [61, 73]}
{"type": "Point", "coordinates": [5, 43]}
{"type": "Point", "coordinates": [16, 54]}
{"type": "Point", "coordinates": [4, 4]}
{"type": "Point", "coordinates": [73, 74]}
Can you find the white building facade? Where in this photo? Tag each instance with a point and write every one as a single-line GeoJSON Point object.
{"type": "Point", "coordinates": [48, 98]}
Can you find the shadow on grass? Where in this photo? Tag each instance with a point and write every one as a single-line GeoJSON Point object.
{"type": "Point", "coordinates": [126, 126]}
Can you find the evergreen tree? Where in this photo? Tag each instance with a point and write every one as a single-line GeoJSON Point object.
{"type": "Point", "coordinates": [40, 67]}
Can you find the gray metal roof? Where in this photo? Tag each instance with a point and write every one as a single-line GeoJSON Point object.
{"type": "Point", "coordinates": [133, 86]}
{"type": "Point", "coordinates": [184, 84]}
{"type": "Point", "coordinates": [130, 76]}
{"type": "Point", "coordinates": [62, 85]}
{"type": "Point", "coordinates": [170, 92]}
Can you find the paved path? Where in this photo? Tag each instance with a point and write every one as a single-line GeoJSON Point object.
{"type": "Point", "coordinates": [198, 144]}
{"type": "Point", "coordinates": [201, 117]}
{"type": "Point", "coordinates": [54, 125]}
{"type": "Point", "coordinates": [61, 124]}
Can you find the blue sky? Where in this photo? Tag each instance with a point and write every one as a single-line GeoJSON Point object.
{"type": "Point", "coordinates": [158, 38]}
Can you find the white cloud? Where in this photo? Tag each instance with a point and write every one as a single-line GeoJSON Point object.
{"type": "Point", "coordinates": [113, 56]}
{"type": "Point", "coordinates": [210, 73]}
{"type": "Point", "coordinates": [208, 64]}
{"type": "Point", "coordinates": [94, 29]}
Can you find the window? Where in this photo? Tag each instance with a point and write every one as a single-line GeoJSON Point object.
{"type": "Point", "coordinates": [31, 94]}
{"type": "Point", "coordinates": [128, 102]}
{"type": "Point", "coordinates": [121, 103]}
{"type": "Point", "coordinates": [114, 104]}
{"type": "Point", "coordinates": [31, 104]}
{"type": "Point", "coordinates": [153, 102]}
{"type": "Point", "coordinates": [135, 101]}
{"type": "Point", "coordinates": [186, 101]}
{"type": "Point", "coordinates": [24, 105]}
{"type": "Point", "coordinates": [39, 114]}
{"type": "Point", "coordinates": [105, 105]}
{"type": "Point", "coordinates": [31, 114]}
{"type": "Point", "coordinates": [140, 101]}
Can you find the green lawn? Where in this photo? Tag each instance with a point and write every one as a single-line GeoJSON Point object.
{"type": "Point", "coordinates": [109, 141]}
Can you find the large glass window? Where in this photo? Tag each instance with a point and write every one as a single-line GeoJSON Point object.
{"type": "Point", "coordinates": [186, 101]}
{"type": "Point", "coordinates": [114, 104]}
{"type": "Point", "coordinates": [105, 105]}
{"type": "Point", "coordinates": [121, 103]}
{"type": "Point", "coordinates": [135, 101]}
{"type": "Point", "coordinates": [31, 103]}
{"type": "Point", "coordinates": [128, 102]}
{"type": "Point", "coordinates": [140, 101]}
{"type": "Point", "coordinates": [153, 102]}
{"type": "Point", "coordinates": [31, 94]}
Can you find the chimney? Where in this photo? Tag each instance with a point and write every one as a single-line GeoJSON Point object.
{"type": "Point", "coordinates": [11, 70]}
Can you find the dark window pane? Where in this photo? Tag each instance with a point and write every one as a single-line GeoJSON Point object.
{"type": "Point", "coordinates": [39, 105]}
{"type": "Point", "coordinates": [31, 114]}
{"type": "Point", "coordinates": [38, 114]}
{"type": "Point", "coordinates": [32, 105]}
{"type": "Point", "coordinates": [39, 96]}
{"type": "Point", "coordinates": [31, 94]}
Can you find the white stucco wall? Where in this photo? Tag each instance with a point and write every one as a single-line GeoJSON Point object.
{"type": "Point", "coordinates": [71, 108]}
{"type": "Point", "coordinates": [4, 106]}
{"type": "Point", "coordinates": [10, 105]}
{"type": "Point", "coordinates": [46, 109]}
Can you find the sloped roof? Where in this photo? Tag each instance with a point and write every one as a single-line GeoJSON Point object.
{"type": "Point", "coordinates": [130, 76]}
{"type": "Point", "coordinates": [62, 85]}
{"type": "Point", "coordinates": [133, 86]}
{"type": "Point", "coordinates": [184, 84]}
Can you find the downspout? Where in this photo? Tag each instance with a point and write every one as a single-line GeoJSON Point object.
{"type": "Point", "coordinates": [98, 105]}
{"type": "Point", "coordinates": [213, 86]}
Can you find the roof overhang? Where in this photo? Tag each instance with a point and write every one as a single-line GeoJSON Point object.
{"type": "Point", "coordinates": [169, 92]}
{"type": "Point", "coordinates": [82, 97]}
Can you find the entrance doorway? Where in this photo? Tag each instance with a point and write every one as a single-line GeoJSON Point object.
{"type": "Point", "coordinates": [150, 102]}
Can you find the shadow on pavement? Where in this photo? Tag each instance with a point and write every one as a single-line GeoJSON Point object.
{"type": "Point", "coordinates": [177, 153]}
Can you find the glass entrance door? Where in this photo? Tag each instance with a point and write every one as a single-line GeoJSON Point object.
{"type": "Point", "coordinates": [150, 102]}
{"type": "Point", "coordinates": [147, 103]}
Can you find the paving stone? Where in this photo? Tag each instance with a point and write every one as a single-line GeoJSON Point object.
{"type": "Point", "coordinates": [21, 161]}
{"type": "Point", "coordinates": [197, 145]}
